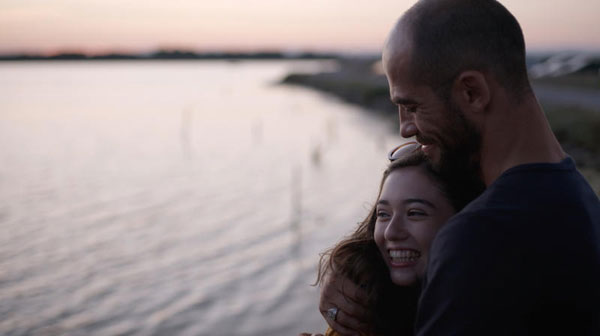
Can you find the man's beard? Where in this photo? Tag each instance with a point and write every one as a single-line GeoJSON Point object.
{"type": "Point", "coordinates": [459, 154]}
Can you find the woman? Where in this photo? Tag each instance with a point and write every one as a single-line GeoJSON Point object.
{"type": "Point", "coordinates": [387, 254]}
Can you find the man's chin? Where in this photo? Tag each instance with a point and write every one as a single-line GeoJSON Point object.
{"type": "Point", "coordinates": [433, 153]}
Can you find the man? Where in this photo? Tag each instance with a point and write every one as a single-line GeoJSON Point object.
{"type": "Point", "coordinates": [524, 257]}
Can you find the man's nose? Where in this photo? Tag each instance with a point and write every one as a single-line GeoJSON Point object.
{"type": "Point", "coordinates": [408, 128]}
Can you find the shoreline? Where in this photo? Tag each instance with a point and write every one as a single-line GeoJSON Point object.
{"type": "Point", "coordinates": [575, 121]}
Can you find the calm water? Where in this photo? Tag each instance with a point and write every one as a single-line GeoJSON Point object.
{"type": "Point", "coordinates": [174, 198]}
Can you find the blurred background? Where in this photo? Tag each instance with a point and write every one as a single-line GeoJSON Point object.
{"type": "Point", "coordinates": [175, 168]}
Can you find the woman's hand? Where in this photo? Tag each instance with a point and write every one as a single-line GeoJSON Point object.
{"type": "Point", "coordinates": [350, 301]}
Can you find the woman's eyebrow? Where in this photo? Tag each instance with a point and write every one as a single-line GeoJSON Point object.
{"type": "Point", "coordinates": [408, 201]}
{"type": "Point", "coordinates": [383, 202]}
{"type": "Point", "coordinates": [419, 200]}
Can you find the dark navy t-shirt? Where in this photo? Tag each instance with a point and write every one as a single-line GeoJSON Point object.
{"type": "Point", "coordinates": [521, 259]}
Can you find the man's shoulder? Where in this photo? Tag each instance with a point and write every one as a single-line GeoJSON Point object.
{"type": "Point", "coordinates": [528, 244]}
{"type": "Point", "coordinates": [537, 190]}
{"type": "Point", "coordinates": [532, 203]}
{"type": "Point", "coordinates": [540, 182]}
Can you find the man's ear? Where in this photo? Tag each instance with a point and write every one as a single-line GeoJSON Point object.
{"type": "Point", "coordinates": [471, 91]}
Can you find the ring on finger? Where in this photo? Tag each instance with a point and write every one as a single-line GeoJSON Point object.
{"type": "Point", "coordinates": [332, 313]}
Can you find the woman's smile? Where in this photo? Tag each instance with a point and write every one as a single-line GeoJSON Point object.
{"type": "Point", "coordinates": [403, 257]}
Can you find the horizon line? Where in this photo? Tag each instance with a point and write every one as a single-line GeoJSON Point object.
{"type": "Point", "coordinates": [233, 52]}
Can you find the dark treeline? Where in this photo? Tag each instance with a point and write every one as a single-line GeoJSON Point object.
{"type": "Point", "coordinates": [170, 55]}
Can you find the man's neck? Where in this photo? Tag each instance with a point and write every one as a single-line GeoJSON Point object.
{"type": "Point", "coordinates": [514, 135]}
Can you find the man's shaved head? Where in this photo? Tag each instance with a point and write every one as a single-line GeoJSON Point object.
{"type": "Point", "coordinates": [447, 37]}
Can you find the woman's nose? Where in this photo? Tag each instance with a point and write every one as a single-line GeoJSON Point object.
{"type": "Point", "coordinates": [396, 230]}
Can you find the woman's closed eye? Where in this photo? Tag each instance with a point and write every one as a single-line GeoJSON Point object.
{"type": "Point", "coordinates": [382, 214]}
{"type": "Point", "coordinates": [416, 213]}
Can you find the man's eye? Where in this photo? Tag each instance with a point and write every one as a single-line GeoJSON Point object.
{"type": "Point", "coordinates": [410, 108]}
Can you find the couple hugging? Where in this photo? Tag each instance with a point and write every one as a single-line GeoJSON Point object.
{"type": "Point", "coordinates": [483, 227]}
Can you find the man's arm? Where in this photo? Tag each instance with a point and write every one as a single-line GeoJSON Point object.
{"type": "Point", "coordinates": [350, 300]}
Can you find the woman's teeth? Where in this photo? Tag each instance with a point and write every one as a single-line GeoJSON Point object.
{"type": "Point", "coordinates": [403, 256]}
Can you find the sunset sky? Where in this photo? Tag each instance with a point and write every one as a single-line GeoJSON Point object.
{"type": "Point", "coordinates": [99, 26]}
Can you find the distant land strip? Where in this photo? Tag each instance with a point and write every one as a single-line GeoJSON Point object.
{"type": "Point", "coordinates": [169, 55]}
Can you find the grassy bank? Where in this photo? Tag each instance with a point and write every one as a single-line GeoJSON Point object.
{"type": "Point", "coordinates": [577, 128]}
{"type": "Point", "coordinates": [586, 80]}
{"type": "Point", "coordinates": [354, 82]}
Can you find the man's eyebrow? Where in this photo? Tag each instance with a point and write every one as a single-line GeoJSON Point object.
{"type": "Point", "coordinates": [403, 101]}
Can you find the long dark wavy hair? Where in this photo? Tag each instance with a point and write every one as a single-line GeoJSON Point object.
{"type": "Point", "coordinates": [392, 308]}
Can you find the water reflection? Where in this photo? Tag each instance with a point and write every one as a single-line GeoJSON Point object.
{"type": "Point", "coordinates": [257, 131]}
{"type": "Point", "coordinates": [186, 132]}
{"type": "Point", "coordinates": [108, 228]}
{"type": "Point", "coordinates": [296, 214]}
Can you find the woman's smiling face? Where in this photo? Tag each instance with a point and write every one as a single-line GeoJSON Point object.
{"type": "Point", "coordinates": [410, 211]}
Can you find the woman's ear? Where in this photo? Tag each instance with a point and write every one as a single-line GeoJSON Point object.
{"type": "Point", "coordinates": [471, 91]}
